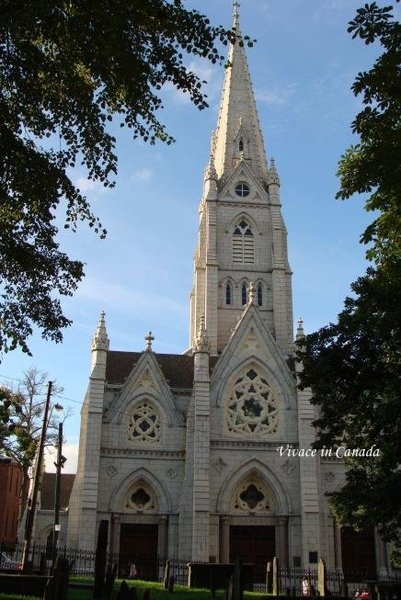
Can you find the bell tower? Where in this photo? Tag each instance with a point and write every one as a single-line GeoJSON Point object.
{"type": "Point", "coordinates": [242, 236]}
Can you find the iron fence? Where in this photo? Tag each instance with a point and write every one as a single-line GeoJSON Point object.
{"type": "Point", "coordinates": [152, 568]}
{"type": "Point", "coordinates": [82, 561]}
{"type": "Point", "coordinates": [290, 580]}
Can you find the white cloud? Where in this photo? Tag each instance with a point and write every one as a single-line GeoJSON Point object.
{"type": "Point", "coordinates": [89, 186]}
{"type": "Point", "coordinates": [207, 72]}
{"type": "Point", "coordinates": [142, 175]}
{"type": "Point", "coordinates": [126, 299]}
{"type": "Point", "coordinates": [70, 451]}
{"type": "Point", "coordinates": [281, 97]}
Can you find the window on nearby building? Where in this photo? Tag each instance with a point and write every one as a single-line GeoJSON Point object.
{"type": "Point", "coordinates": [242, 189]}
{"type": "Point", "coordinates": [241, 145]}
{"type": "Point", "coordinates": [244, 294]}
{"type": "Point", "coordinates": [228, 294]}
{"type": "Point", "coordinates": [144, 424]}
{"type": "Point", "coordinates": [243, 243]}
{"type": "Point", "coordinates": [251, 408]}
{"type": "Point", "coordinates": [260, 294]}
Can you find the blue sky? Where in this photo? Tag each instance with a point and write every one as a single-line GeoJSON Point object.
{"type": "Point", "coordinates": [302, 68]}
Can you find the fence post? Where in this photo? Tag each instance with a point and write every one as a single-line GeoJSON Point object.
{"type": "Point", "coordinates": [276, 581]}
{"type": "Point", "coordinates": [100, 560]}
{"type": "Point", "coordinates": [269, 578]}
{"type": "Point", "coordinates": [167, 571]}
{"type": "Point", "coordinates": [321, 578]}
{"type": "Point", "coordinates": [237, 582]}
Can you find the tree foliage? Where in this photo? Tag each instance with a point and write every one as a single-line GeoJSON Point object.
{"type": "Point", "coordinates": [373, 166]}
{"type": "Point", "coordinates": [22, 417]}
{"type": "Point", "coordinates": [353, 367]}
{"type": "Point", "coordinates": [354, 370]}
{"type": "Point", "coordinates": [67, 70]}
{"type": "Point", "coordinates": [10, 404]}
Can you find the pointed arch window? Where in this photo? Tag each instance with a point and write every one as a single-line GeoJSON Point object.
{"type": "Point", "coordinates": [241, 145]}
{"type": "Point", "coordinates": [229, 296]}
{"type": "Point", "coordinates": [243, 243]}
{"type": "Point", "coordinates": [259, 294]}
{"type": "Point", "coordinates": [244, 294]}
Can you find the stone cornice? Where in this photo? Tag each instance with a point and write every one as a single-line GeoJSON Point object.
{"type": "Point", "coordinates": [261, 445]}
{"type": "Point", "coordinates": [151, 452]}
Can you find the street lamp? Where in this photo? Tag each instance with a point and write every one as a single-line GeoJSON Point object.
{"type": "Point", "coordinates": [36, 480]}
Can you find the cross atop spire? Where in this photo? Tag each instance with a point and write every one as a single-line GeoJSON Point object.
{"type": "Point", "coordinates": [149, 339]}
{"type": "Point", "coordinates": [236, 7]}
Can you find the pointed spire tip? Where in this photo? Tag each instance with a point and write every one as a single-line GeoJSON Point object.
{"type": "Point", "coordinates": [100, 340]}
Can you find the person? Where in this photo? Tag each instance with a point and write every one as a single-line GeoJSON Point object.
{"type": "Point", "coordinates": [305, 587]}
{"type": "Point", "coordinates": [132, 571]}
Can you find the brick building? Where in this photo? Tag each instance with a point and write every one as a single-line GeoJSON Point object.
{"type": "Point", "coordinates": [10, 490]}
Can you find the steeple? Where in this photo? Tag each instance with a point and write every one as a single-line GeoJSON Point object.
{"type": "Point", "coordinates": [242, 235]}
{"type": "Point", "coordinates": [238, 135]}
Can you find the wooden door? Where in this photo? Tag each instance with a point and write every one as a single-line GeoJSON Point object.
{"type": "Point", "coordinates": [253, 544]}
{"type": "Point", "coordinates": [358, 553]}
{"type": "Point", "coordinates": [138, 544]}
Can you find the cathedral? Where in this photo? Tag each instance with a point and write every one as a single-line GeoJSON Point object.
{"type": "Point", "coordinates": [204, 455]}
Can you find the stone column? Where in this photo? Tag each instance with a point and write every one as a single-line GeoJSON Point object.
{"type": "Point", "coordinates": [162, 544]}
{"type": "Point", "coordinates": [201, 449]}
{"type": "Point", "coordinates": [337, 545]}
{"type": "Point", "coordinates": [282, 540]}
{"type": "Point", "coordinates": [112, 541]}
{"type": "Point", "coordinates": [224, 539]}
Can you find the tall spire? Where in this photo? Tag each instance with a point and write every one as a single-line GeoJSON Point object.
{"type": "Point", "coordinates": [100, 340]}
{"type": "Point", "coordinates": [238, 135]}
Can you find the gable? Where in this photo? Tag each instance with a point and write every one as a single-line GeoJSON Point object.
{"type": "Point", "coordinates": [177, 369]}
{"type": "Point", "coordinates": [242, 174]}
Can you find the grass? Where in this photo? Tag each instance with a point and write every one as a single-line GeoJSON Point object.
{"type": "Point", "coordinates": [157, 592]}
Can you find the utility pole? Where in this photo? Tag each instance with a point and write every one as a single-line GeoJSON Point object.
{"type": "Point", "coordinates": [33, 500]}
{"type": "Point", "coordinates": [59, 465]}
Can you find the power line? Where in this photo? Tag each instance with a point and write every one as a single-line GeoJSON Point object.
{"type": "Point", "coordinates": [8, 377]}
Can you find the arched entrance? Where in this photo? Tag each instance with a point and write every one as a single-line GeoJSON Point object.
{"type": "Point", "coordinates": [139, 530]}
{"type": "Point", "coordinates": [252, 531]}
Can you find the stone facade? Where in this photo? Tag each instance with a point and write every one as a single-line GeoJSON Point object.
{"type": "Point", "coordinates": [188, 445]}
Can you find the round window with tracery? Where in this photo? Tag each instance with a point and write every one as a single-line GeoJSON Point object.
{"type": "Point", "coordinates": [251, 407]}
{"type": "Point", "coordinates": [144, 424]}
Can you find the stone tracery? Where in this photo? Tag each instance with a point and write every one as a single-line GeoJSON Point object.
{"type": "Point", "coordinates": [140, 497]}
{"type": "Point", "coordinates": [252, 495]}
{"type": "Point", "coordinates": [251, 408]}
{"type": "Point", "coordinates": [144, 424]}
